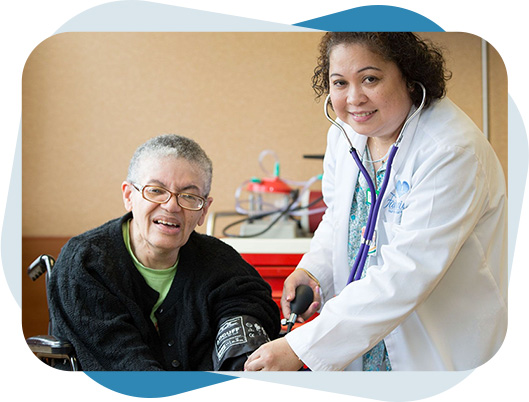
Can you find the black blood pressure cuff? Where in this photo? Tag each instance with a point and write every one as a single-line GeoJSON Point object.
{"type": "Point", "coordinates": [236, 338]}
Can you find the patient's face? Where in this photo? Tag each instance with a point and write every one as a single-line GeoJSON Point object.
{"type": "Point", "coordinates": [158, 231]}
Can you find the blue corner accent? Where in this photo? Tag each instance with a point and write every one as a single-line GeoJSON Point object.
{"type": "Point", "coordinates": [155, 384]}
{"type": "Point", "coordinates": [373, 18]}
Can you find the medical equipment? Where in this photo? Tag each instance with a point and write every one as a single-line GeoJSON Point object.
{"type": "Point", "coordinates": [367, 239]}
{"type": "Point", "coordinates": [302, 300]}
{"type": "Point", "coordinates": [275, 207]}
{"type": "Point", "coordinates": [269, 195]}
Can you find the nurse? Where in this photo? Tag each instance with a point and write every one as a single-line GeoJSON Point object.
{"type": "Point", "coordinates": [433, 294]}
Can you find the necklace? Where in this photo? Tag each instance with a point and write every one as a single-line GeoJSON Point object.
{"type": "Point", "coordinates": [378, 153]}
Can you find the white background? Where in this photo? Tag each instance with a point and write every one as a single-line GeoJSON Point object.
{"type": "Point", "coordinates": [26, 23]}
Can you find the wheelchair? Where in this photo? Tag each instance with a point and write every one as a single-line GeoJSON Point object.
{"type": "Point", "coordinates": [52, 351]}
{"type": "Point", "coordinates": [61, 354]}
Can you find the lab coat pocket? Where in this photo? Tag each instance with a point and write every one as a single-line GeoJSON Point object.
{"type": "Point", "coordinates": [387, 232]}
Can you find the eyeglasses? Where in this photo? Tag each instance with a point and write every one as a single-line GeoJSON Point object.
{"type": "Point", "coordinates": [160, 195]}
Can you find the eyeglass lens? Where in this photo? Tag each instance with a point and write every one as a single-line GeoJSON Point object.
{"type": "Point", "coordinates": [161, 195]}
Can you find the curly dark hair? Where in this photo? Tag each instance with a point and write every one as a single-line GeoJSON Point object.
{"type": "Point", "coordinates": [417, 59]}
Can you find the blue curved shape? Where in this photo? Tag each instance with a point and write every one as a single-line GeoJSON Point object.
{"type": "Point", "coordinates": [155, 384]}
{"type": "Point", "coordinates": [373, 18]}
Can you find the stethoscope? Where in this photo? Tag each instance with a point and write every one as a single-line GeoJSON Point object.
{"type": "Point", "coordinates": [367, 238]}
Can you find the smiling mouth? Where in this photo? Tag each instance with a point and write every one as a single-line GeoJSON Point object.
{"type": "Point", "coordinates": [165, 223]}
{"type": "Point", "coordinates": [363, 114]}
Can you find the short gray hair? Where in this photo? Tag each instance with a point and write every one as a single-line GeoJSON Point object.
{"type": "Point", "coordinates": [176, 146]}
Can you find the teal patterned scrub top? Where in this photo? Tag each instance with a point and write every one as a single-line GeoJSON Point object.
{"type": "Point", "coordinates": [377, 358]}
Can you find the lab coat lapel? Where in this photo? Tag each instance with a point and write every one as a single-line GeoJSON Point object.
{"type": "Point", "coordinates": [407, 138]}
{"type": "Point", "coordinates": [397, 168]}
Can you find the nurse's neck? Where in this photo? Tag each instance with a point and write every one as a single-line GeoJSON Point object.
{"type": "Point", "coordinates": [379, 146]}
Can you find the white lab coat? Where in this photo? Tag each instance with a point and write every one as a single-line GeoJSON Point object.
{"type": "Point", "coordinates": [436, 291]}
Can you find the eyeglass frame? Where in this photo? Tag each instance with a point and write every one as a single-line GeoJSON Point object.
{"type": "Point", "coordinates": [142, 188]}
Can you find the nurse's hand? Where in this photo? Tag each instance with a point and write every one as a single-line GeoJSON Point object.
{"type": "Point", "coordinates": [296, 278]}
{"type": "Point", "coordinates": [273, 356]}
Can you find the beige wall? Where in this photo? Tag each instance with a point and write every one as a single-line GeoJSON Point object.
{"type": "Point", "coordinates": [89, 99]}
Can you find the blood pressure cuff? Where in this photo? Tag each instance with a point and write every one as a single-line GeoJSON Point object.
{"type": "Point", "coordinates": [236, 339]}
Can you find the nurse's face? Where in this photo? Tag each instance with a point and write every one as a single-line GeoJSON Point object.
{"type": "Point", "coordinates": [368, 92]}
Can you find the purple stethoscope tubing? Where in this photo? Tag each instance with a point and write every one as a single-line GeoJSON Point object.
{"type": "Point", "coordinates": [376, 200]}
{"type": "Point", "coordinates": [360, 260]}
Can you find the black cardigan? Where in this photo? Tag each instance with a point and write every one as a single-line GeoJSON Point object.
{"type": "Point", "coordinates": [101, 303]}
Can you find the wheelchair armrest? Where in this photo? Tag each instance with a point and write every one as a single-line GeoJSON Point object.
{"type": "Point", "coordinates": [49, 345]}
{"type": "Point", "coordinates": [48, 348]}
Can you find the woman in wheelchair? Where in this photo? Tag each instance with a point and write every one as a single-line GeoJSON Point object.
{"type": "Point", "coordinates": [147, 292]}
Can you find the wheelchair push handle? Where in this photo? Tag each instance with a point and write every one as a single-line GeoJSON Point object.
{"type": "Point", "coordinates": [43, 264]}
